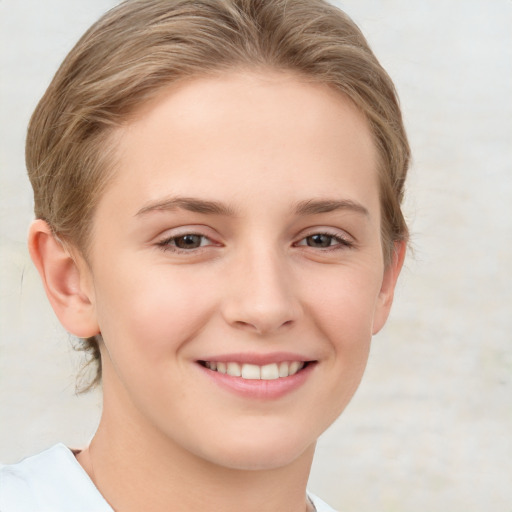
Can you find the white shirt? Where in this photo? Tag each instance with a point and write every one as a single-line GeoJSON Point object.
{"type": "Point", "coordinates": [54, 481]}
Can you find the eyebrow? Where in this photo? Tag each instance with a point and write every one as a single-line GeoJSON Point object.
{"type": "Point", "coordinates": [188, 203]}
{"type": "Point", "coordinates": [317, 206]}
{"type": "Point", "coordinates": [302, 208]}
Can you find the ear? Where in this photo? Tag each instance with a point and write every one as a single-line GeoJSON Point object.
{"type": "Point", "coordinates": [390, 277]}
{"type": "Point", "coordinates": [66, 280]}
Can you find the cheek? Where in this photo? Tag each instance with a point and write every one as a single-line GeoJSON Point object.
{"type": "Point", "coordinates": [343, 311]}
{"type": "Point", "coordinates": [152, 311]}
{"type": "Point", "coordinates": [343, 305]}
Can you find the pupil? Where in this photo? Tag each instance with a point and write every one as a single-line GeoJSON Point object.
{"type": "Point", "coordinates": [319, 241]}
{"type": "Point", "coordinates": [188, 241]}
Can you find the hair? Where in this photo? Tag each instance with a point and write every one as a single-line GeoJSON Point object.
{"type": "Point", "coordinates": [142, 46]}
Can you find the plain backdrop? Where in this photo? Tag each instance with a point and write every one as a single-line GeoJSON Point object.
{"type": "Point", "coordinates": [430, 428]}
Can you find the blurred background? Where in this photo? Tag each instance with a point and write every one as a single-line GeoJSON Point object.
{"type": "Point", "coordinates": [430, 428]}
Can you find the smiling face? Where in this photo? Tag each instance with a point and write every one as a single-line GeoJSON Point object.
{"type": "Point", "coordinates": [241, 234]}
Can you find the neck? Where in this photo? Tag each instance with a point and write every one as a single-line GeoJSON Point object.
{"type": "Point", "coordinates": [137, 468]}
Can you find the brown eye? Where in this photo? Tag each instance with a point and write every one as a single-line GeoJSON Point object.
{"type": "Point", "coordinates": [319, 240]}
{"type": "Point", "coordinates": [188, 241]}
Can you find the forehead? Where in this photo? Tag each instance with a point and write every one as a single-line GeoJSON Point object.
{"type": "Point", "coordinates": [257, 134]}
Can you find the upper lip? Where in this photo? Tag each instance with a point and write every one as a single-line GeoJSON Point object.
{"type": "Point", "coordinates": [257, 359]}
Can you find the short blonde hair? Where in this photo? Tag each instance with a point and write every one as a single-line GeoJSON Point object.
{"type": "Point", "coordinates": [142, 46]}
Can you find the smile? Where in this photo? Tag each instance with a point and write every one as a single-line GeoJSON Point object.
{"type": "Point", "coordinates": [248, 371]}
{"type": "Point", "coordinates": [257, 376]}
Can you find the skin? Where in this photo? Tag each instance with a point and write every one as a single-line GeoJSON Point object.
{"type": "Point", "coordinates": [262, 146]}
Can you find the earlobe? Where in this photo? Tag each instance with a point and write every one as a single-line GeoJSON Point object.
{"type": "Point", "coordinates": [386, 294]}
{"type": "Point", "coordinates": [65, 281]}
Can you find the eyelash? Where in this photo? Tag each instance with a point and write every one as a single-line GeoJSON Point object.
{"type": "Point", "coordinates": [169, 244]}
{"type": "Point", "coordinates": [341, 242]}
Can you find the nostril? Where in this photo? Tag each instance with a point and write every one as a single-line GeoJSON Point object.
{"type": "Point", "coordinates": [262, 326]}
{"type": "Point", "coordinates": [244, 325]}
{"type": "Point", "coordinates": [261, 298]}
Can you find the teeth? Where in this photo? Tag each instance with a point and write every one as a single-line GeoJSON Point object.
{"type": "Point", "coordinates": [254, 372]}
{"type": "Point", "coordinates": [251, 371]}
{"type": "Point", "coordinates": [284, 369]}
{"type": "Point", "coordinates": [234, 370]}
{"type": "Point", "coordinates": [269, 372]}
{"type": "Point", "coordinates": [295, 366]}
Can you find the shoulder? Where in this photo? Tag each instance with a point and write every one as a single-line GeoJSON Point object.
{"type": "Point", "coordinates": [51, 481]}
{"type": "Point", "coordinates": [320, 505]}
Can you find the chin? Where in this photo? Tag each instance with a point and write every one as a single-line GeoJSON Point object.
{"type": "Point", "coordinates": [251, 453]}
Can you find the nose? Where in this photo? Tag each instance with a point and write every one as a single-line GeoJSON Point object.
{"type": "Point", "coordinates": [262, 298]}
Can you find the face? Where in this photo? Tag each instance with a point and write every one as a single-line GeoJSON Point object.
{"type": "Point", "coordinates": [236, 267]}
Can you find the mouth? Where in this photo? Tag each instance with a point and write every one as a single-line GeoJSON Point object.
{"type": "Point", "coordinates": [248, 371]}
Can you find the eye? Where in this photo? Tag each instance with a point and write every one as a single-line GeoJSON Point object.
{"type": "Point", "coordinates": [325, 241]}
{"type": "Point", "coordinates": [188, 241]}
{"type": "Point", "coordinates": [319, 240]}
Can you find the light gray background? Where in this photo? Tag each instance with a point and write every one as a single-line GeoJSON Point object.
{"type": "Point", "coordinates": [430, 428]}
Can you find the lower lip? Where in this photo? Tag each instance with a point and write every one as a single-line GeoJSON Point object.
{"type": "Point", "coordinates": [257, 388]}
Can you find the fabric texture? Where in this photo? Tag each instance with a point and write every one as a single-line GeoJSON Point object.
{"type": "Point", "coordinates": [54, 481]}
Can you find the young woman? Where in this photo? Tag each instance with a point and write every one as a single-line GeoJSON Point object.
{"type": "Point", "coordinates": [217, 194]}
